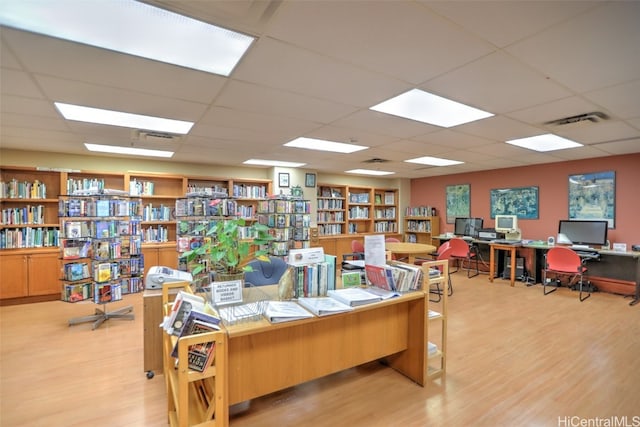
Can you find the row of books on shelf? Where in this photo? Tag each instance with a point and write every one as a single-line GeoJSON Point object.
{"type": "Point", "coordinates": [100, 228]}
{"type": "Point", "coordinates": [385, 227]}
{"type": "Point", "coordinates": [386, 198]}
{"type": "Point", "coordinates": [157, 213]}
{"type": "Point", "coordinates": [329, 229]}
{"type": "Point", "coordinates": [250, 191]}
{"type": "Point", "coordinates": [330, 204]}
{"type": "Point", "coordinates": [284, 206]}
{"type": "Point", "coordinates": [314, 279]}
{"type": "Point", "coordinates": [205, 206]}
{"type": "Point", "coordinates": [285, 220]}
{"type": "Point", "coordinates": [14, 189]}
{"type": "Point", "coordinates": [358, 212]}
{"type": "Point", "coordinates": [101, 293]}
{"type": "Point", "coordinates": [92, 206]}
{"type": "Point", "coordinates": [141, 188]}
{"type": "Point", "coordinates": [155, 234]}
{"type": "Point", "coordinates": [420, 211]}
{"type": "Point", "coordinates": [107, 271]}
{"type": "Point", "coordinates": [29, 237]}
{"type": "Point", "coordinates": [23, 215]}
{"type": "Point", "coordinates": [389, 213]}
{"type": "Point", "coordinates": [87, 185]}
{"type": "Point", "coordinates": [330, 217]}
{"type": "Point", "coordinates": [102, 249]}
{"type": "Point", "coordinates": [419, 226]}
{"type": "Point", "coordinates": [358, 197]}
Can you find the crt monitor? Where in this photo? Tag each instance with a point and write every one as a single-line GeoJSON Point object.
{"type": "Point", "coordinates": [467, 227]}
{"type": "Point", "coordinates": [584, 232]}
{"type": "Point", "coordinates": [506, 223]}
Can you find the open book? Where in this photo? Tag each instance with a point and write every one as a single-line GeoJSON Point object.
{"type": "Point", "coordinates": [323, 306]}
{"type": "Point", "coordinates": [285, 311]}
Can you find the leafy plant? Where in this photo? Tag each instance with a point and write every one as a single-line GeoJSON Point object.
{"type": "Point", "coordinates": [227, 252]}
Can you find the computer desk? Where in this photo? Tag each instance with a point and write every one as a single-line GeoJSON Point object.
{"type": "Point", "coordinates": [512, 249]}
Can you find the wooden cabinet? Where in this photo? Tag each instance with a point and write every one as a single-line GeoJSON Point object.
{"type": "Point", "coordinates": [422, 229]}
{"type": "Point", "coordinates": [25, 274]}
{"type": "Point", "coordinates": [437, 318]}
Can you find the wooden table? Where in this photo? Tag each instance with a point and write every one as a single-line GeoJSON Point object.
{"type": "Point", "coordinates": [264, 358]}
{"type": "Point", "coordinates": [512, 253]}
{"type": "Point", "coordinates": [409, 249]}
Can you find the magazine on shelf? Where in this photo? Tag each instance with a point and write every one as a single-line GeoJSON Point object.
{"type": "Point", "coordinates": [182, 306]}
{"type": "Point", "coordinates": [285, 311]}
{"type": "Point", "coordinates": [197, 322]}
{"type": "Point", "coordinates": [323, 306]}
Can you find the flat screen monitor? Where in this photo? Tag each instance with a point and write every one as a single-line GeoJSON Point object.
{"type": "Point", "coordinates": [467, 227]}
{"type": "Point", "coordinates": [584, 232]}
{"type": "Point", "coordinates": [506, 223]}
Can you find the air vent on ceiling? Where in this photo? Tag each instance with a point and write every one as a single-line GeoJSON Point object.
{"type": "Point", "coordinates": [593, 117]}
{"type": "Point", "coordinates": [153, 136]}
{"type": "Point", "coordinates": [375, 160]}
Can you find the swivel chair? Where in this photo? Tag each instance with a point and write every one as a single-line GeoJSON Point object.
{"type": "Point", "coordinates": [462, 252]}
{"type": "Point", "coordinates": [564, 261]}
{"type": "Point", "coordinates": [265, 272]}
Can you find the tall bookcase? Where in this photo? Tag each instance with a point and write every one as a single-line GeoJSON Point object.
{"type": "Point", "coordinates": [289, 221]}
{"type": "Point", "coordinates": [100, 251]}
{"type": "Point", "coordinates": [29, 232]}
{"type": "Point", "coordinates": [436, 329]}
{"type": "Point", "coordinates": [348, 210]}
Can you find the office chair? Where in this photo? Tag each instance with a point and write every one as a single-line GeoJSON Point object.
{"type": "Point", "coordinates": [357, 254]}
{"type": "Point", "coordinates": [265, 273]}
{"type": "Point", "coordinates": [462, 251]}
{"type": "Point", "coordinates": [393, 256]}
{"type": "Point", "coordinates": [443, 254]}
{"type": "Point", "coordinates": [564, 261]}
{"type": "Point", "coordinates": [432, 256]}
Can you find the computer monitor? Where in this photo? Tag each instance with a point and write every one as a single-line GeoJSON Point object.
{"type": "Point", "coordinates": [508, 224]}
{"type": "Point", "coordinates": [583, 232]}
{"type": "Point", "coordinates": [468, 227]}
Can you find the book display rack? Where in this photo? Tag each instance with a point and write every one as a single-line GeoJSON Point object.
{"type": "Point", "coordinates": [436, 329]}
{"type": "Point", "coordinates": [100, 251]}
{"type": "Point", "coordinates": [289, 220]}
{"type": "Point", "coordinates": [195, 215]}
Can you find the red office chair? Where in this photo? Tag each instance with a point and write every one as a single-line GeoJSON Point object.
{"type": "Point", "coordinates": [462, 252]}
{"type": "Point", "coordinates": [443, 253]}
{"type": "Point", "coordinates": [434, 255]}
{"type": "Point", "coordinates": [357, 254]}
{"type": "Point", "coordinates": [563, 261]}
{"type": "Point", "coordinates": [394, 240]}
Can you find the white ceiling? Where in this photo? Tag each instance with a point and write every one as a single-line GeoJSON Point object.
{"type": "Point", "coordinates": [317, 67]}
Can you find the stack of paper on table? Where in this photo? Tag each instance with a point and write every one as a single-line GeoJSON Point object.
{"type": "Point", "coordinates": [323, 306]}
{"type": "Point", "coordinates": [354, 296]}
{"type": "Point", "coordinates": [285, 311]}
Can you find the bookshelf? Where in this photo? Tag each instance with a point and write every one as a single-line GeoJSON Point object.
{"type": "Point", "coordinates": [100, 251]}
{"type": "Point", "coordinates": [385, 211]}
{"type": "Point", "coordinates": [331, 215]}
{"type": "Point", "coordinates": [289, 221]}
{"type": "Point", "coordinates": [29, 233]}
{"type": "Point", "coordinates": [436, 329]}
{"type": "Point", "coordinates": [195, 398]}
{"type": "Point", "coordinates": [421, 229]}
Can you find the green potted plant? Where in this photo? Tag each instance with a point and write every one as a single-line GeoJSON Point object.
{"type": "Point", "coordinates": [225, 249]}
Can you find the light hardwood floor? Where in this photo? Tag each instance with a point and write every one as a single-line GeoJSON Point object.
{"type": "Point", "coordinates": [516, 358]}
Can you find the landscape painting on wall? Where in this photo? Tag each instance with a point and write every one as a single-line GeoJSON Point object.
{"type": "Point", "coordinates": [522, 202]}
{"type": "Point", "coordinates": [593, 196]}
{"type": "Point", "coordinates": [458, 202]}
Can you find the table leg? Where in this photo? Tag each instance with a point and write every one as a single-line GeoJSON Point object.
{"type": "Point", "coordinates": [513, 266]}
{"type": "Point", "coordinates": [491, 263]}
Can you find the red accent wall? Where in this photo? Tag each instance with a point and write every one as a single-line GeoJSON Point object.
{"type": "Point", "coordinates": [552, 181]}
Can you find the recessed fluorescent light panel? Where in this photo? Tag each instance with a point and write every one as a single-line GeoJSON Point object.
{"type": "Point", "coordinates": [134, 28]}
{"type": "Point", "coordinates": [369, 172]}
{"type": "Point", "coordinates": [425, 107]}
{"type": "Point", "coordinates": [433, 161]}
{"type": "Point", "coordinates": [546, 142]}
{"type": "Point", "coordinates": [117, 118]}
{"type": "Point", "coordinates": [127, 150]}
{"type": "Point", "coordinates": [279, 163]}
{"type": "Point", "coordinates": [323, 145]}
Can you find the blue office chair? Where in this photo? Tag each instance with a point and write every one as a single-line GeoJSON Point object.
{"type": "Point", "coordinates": [264, 272]}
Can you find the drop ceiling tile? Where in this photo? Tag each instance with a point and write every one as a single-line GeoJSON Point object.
{"type": "Point", "coordinates": [620, 147]}
{"type": "Point", "coordinates": [496, 83]}
{"type": "Point", "coordinates": [258, 122]}
{"type": "Point", "coordinates": [622, 101]}
{"type": "Point", "coordinates": [592, 133]}
{"type": "Point", "coordinates": [498, 128]}
{"type": "Point", "coordinates": [19, 83]}
{"type": "Point", "coordinates": [385, 124]}
{"type": "Point", "coordinates": [357, 33]}
{"type": "Point", "coordinates": [558, 109]}
{"type": "Point", "coordinates": [608, 32]}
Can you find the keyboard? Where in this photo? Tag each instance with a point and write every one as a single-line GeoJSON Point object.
{"type": "Point", "coordinates": [587, 254]}
{"type": "Point", "coordinates": [506, 242]}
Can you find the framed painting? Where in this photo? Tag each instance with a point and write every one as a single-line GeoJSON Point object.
{"type": "Point", "coordinates": [521, 201]}
{"type": "Point", "coordinates": [593, 196]}
{"type": "Point", "coordinates": [283, 179]}
{"type": "Point", "coordinates": [310, 180]}
{"type": "Point", "coordinates": [458, 202]}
